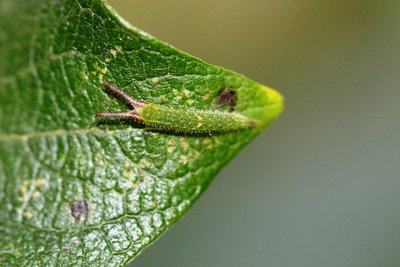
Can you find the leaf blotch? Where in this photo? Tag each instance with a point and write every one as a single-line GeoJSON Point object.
{"type": "Point", "coordinates": [79, 210]}
{"type": "Point", "coordinates": [227, 97]}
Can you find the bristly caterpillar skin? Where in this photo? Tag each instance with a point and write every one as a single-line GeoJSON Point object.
{"type": "Point", "coordinates": [177, 120]}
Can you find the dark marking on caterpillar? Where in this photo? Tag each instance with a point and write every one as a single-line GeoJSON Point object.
{"type": "Point", "coordinates": [227, 97]}
{"type": "Point", "coordinates": [79, 210]}
{"type": "Point", "coordinates": [179, 120]}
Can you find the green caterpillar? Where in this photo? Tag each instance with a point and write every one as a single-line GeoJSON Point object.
{"type": "Point", "coordinates": [177, 120]}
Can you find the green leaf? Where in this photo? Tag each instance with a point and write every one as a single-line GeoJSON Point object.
{"type": "Point", "coordinates": [76, 192]}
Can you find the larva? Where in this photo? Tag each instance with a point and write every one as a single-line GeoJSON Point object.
{"type": "Point", "coordinates": [178, 120]}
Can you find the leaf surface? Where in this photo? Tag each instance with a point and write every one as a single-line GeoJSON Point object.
{"type": "Point", "coordinates": [74, 192]}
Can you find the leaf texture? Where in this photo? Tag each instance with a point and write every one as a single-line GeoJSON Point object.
{"type": "Point", "coordinates": [75, 192]}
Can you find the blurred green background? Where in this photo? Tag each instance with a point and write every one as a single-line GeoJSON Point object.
{"type": "Point", "coordinates": [320, 187]}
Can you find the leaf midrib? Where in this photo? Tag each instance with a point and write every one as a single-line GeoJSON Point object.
{"type": "Point", "coordinates": [33, 135]}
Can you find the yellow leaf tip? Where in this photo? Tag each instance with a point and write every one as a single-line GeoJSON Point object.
{"type": "Point", "coordinates": [275, 103]}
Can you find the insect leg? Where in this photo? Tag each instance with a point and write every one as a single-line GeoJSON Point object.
{"type": "Point", "coordinates": [119, 93]}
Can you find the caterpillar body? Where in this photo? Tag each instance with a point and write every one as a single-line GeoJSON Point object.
{"type": "Point", "coordinates": [178, 120]}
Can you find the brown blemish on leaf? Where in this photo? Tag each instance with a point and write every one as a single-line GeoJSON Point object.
{"type": "Point", "coordinates": [227, 97]}
{"type": "Point", "coordinates": [184, 144]}
{"type": "Point", "coordinates": [79, 210]}
{"type": "Point", "coordinates": [141, 180]}
{"type": "Point", "coordinates": [184, 159]}
{"type": "Point", "coordinates": [24, 186]}
{"type": "Point", "coordinates": [28, 214]}
{"type": "Point", "coordinates": [128, 169]}
{"type": "Point", "coordinates": [143, 163]}
{"type": "Point", "coordinates": [40, 182]}
{"type": "Point", "coordinates": [253, 123]}
{"type": "Point", "coordinates": [206, 96]}
{"type": "Point", "coordinates": [208, 143]}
